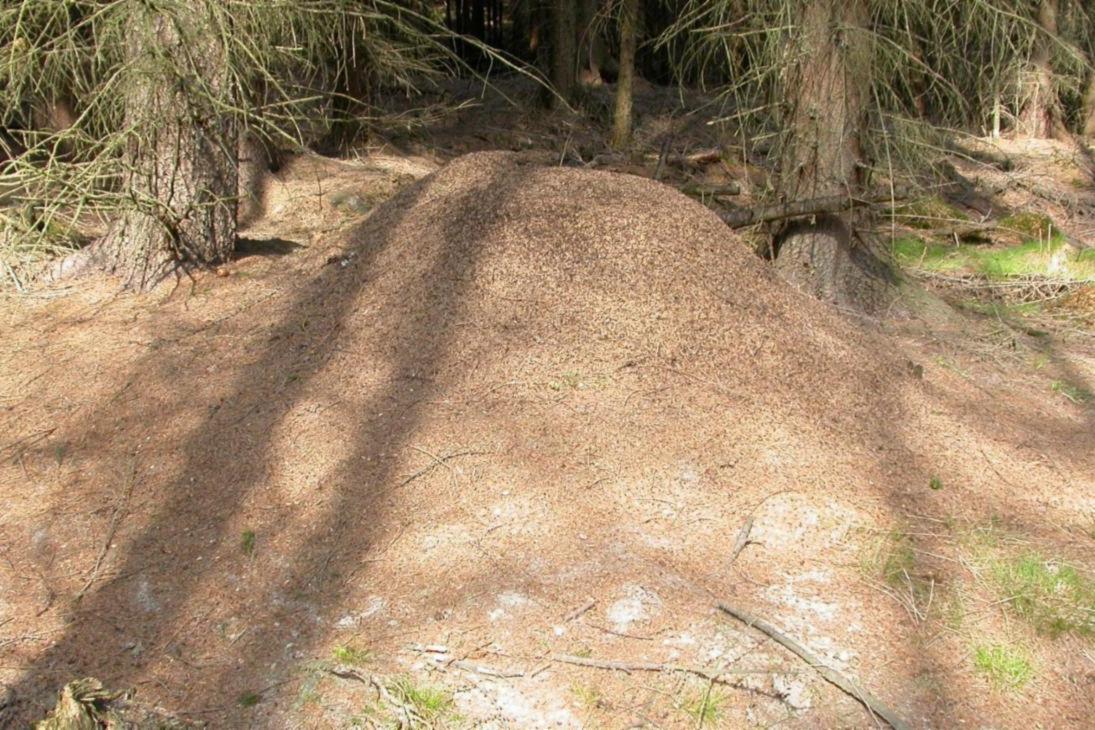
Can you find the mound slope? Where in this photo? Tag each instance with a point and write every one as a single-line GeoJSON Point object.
{"type": "Point", "coordinates": [598, 270]}
{"type": "Point", "coordinates": [515, 388]}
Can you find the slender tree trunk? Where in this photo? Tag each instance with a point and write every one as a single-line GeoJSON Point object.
{"type": "Point", "coordinates": [1089, 109]}
{"type": "Point", "coordinates": [828, 93]}
{"type": "Point", "coordinates": [1040, 115]}
{"type": "Point", "coordinates": [590, 43]}
{"type": "Point", "coordinates": [621, 121]}
{"type": "Point", "coordinates": [563, 53]}
{"type": "Point", "coordinates": [182, 152]}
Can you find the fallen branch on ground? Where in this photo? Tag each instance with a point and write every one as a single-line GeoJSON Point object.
{"type": "Point", "coordinates": [810, 206]}
{"type": "Point", "coordinates": [579, 611]}
{"type": "Point", "coordinates": [115, 518]}
{"type": "Point", "coordinates": [714, 675]}
{"type": "Point", "coordinates": [742, 541]}
{"type": "Point", "coordinates": [437, 461]}
{"type": "Point", "coordinates": [691, 159]}
{"type": "Point", "coordinates": [707, 190]}
{"type": "Point", "coordinates": [1017, 289]}
{"type": "Point", "coordinates": [831, 675]}
{"type": "Point", "coordinates": [410, 714]}
{"type": "Point", "coordinates": [485, 670]}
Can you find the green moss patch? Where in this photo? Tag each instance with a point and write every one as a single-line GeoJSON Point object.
{"type": "Point", "coordinates": [1047, 258]}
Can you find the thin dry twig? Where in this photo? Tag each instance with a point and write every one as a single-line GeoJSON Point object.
{"type": "Point", "coordinates": [742, 540]}
{"type": "Point", "coordinates": [437, 461]}
{"type": "Point", "coordinates": [579, 611]}
{"type": "Point", "coordinates": [813, 206]}
{"type": "Point", "coordinates": [873, 705]}
{"type": "Point", "coordinates": [714, 675]}
{"type": "Point", "coordinates": [115, 519]}
{"type": "Point", "coordinates": [27, 441]}
{"type": "Point", "coordinates": [487, 671]}
{"type": "Point", "coordinates": [412, 717]}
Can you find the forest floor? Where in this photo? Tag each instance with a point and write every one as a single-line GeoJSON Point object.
{"type": "Point", "coordinates": [488, 447]}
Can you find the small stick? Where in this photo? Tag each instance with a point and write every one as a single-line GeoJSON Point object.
{"type": "Point", "coordinates": [119, 512]}
{"type": "Point", "coordinates": [831, 675]}
{"type": "Point", "coordinates": [812, 206]}
{"type": "Point", "coordinates": [579, 611]}
{"type": "Point", "coordinates": [661, 157]}
{"type": "Point", "coordinates": [623, 634]}
{"type": "Point", "coordinates": [714, 675]}
{"type": "Point", "coordinates": [347, 672]}
{"type": "Point", "coordinates": [437, 461]}
{"type": "Point", "coordinates": [485, 670]}
{"type": "Point", "coordinates": [742, 541]}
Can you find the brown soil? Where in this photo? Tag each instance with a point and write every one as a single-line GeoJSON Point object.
{"type": "Point", "coordinates": [509, 390]}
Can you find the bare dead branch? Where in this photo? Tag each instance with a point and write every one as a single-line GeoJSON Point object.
{"type": "Point", "coordinates": [810, 206]}
{"type": "Point", "coordinates": [831, 675]}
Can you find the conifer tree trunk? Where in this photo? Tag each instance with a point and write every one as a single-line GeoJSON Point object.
{"type": "Point", "coordinates": [1040, 114]}
{"type": "Point", "coordinates": [563, 51]}
{"type": "Point", "coordinates": [1088, 128]}
{"type": "Point", "coordinates": [590, 43]}
{"type": "Point", "coordinates": [621, 121]}
{"type": "Point", "coordinates": [827, 91]}
{"type": "Point", "coordinates": [181, 153]}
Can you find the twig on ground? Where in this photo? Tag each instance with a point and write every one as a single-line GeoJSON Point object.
{"type": "Point", "coordinates": [347, 672]}
{"type": "Point", "coordinates": [437, 461]}
{"type": "Point", "coordinates": [831, 675]}
{"type": "Point", "coordinates": [714, 675]}
{"type": "Point", "coordinates": [701, 716]}
{"type": "Point", "coordinates": [485, 670]}
{"type": "Point", "coordinates": [579, 611]}
{"type": "Point", "coordinates": [743, 539]}
{"type": "Point", "coordinates": [14, 278]}
{"type": "Point", "coordinates": [50, 594]}
{"type": "Point", "coordinates": [379, 556]}
{"type": "Point", "coordinates": [115, 519]}
{"type": "Point", "coordinates": [623, 634]}
{"type": "Point", "coordinates": [662, 157]}
{"type": "Point", "coordinates": [28, 441]}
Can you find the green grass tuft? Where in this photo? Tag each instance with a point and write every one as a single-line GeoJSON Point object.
{"type": "Point", "coordinates": [1053, 597]}
{"type": "Point", "coordinates": [346, 654]}
{"type": "Point", "coordinates": [247, 542]}
{"type": "Point", "coordinates": [430, 703]}
{"type": "Point", "coordinates": [588, 696]}
{"type": "Point", "coordinates": [1005, 666]}
{"type": "Point", "coordinates": [249, 699]}
{"type": "Point", "coordinates": [704, 707]}
{"type": "Point", "coordinates": [893, 559]}
{"type": "Point", "coordinates": [1032, 226]}
{"type": "Point", "coordinates": [1074, 393]}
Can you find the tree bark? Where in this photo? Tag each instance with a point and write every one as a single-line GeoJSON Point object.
{"type": "Point", "coordinates": [563, 51]}
{"type": "Point", "coordinates": [621, 120]}
{"type": "Point", "coordinates": [827, 90]}
{"type": "Point", "coordinates": [1089, 109]}
{"type": "Point", "coordinates": [1040, 115]}
{"type": "Point", "coordinates": [181, 155]}
{"type": "Point", "coordinates": [590, 43]}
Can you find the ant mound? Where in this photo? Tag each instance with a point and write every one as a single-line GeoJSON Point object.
{"type": "Point", "coordinates": [516, 386]}
{"type": "Point", "coordinates": [493, 272]}
{"type": "Point", "coordinates": [553, 412]}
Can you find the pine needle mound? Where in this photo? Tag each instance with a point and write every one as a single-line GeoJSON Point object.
{"type": "Point", "coordinates": [511, 391]}
{"type": "Point", "coordinates": [593, 272]}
